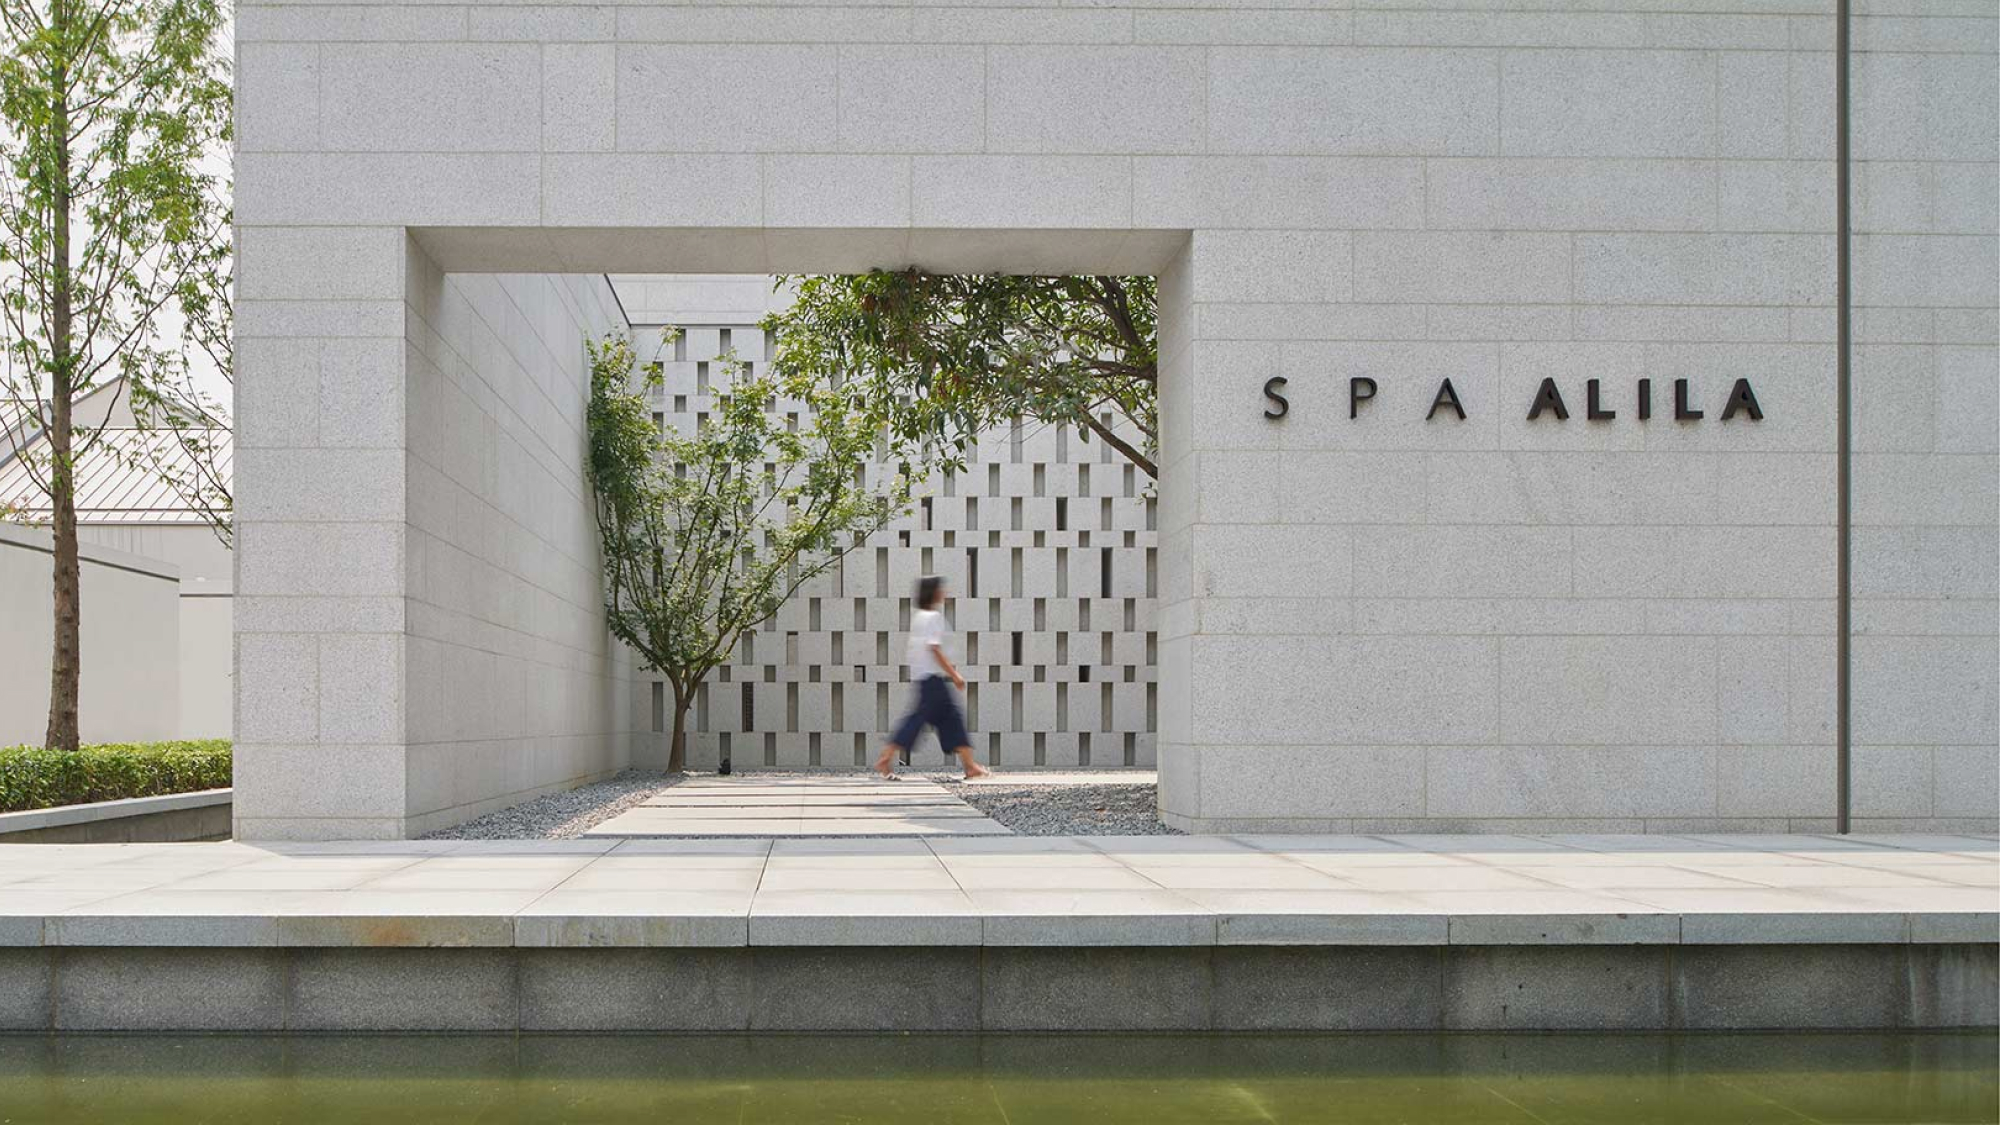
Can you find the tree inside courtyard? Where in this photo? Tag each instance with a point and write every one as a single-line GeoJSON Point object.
{"type": "Point", "coordinates": [705, 535]}
{"type": "Point", "coordinates": [937, 359]}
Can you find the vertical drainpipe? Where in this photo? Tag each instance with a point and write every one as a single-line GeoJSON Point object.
{"type": "Point", "coordinates": [1843, 366]}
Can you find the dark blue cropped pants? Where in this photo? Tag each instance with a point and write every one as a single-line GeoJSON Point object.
{"type": "Point", "coordinates": [935, 707]}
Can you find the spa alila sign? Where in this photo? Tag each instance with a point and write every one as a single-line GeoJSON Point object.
{"type": "Point", "coordinates": [1548, 401]}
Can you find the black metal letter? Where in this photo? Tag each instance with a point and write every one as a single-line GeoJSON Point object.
{"type": "Point", "coordinates": [1682, 411]}
{"type": "Point", "coordinates": [1279, 406]}
{"type": "Point", "coordinates": [1445, 397]}
{"type": "Point", "coordinates": [1551, 399]}
{"type": "Point", "coordinates": [1741, 397]}
{"type": "Point", "coordinates": [1591, 408]}
{"type": "Point", "coordinates": [1645, 399]}
{"type": "Point", "coordinates": [1359, 389]}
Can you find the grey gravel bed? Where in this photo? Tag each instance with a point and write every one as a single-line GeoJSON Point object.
{"type": "Point", "coordinates": [1068, 810]}
{"type": "Point", "coordinates": [566, 815]}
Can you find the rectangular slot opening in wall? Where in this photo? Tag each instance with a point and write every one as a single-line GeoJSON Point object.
{"type": "Point", "coordinates": [659, 707]}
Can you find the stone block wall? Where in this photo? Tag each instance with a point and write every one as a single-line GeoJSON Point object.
{"type": "Point", "coordinates": [1926, 472]}
{"type": "Point", "coordinates": [420, 637]}
{"type": "Point", "coordinates": [1376, 622]}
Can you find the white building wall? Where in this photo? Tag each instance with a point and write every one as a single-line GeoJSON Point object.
{"type": "Point", "coordinates": [204, 664]}
{"type": "Point", "coordinates": [420, 636]}
{"type": "Point", "coordinates": [1046, 543]}
{"type": "Point", "coordinates": [130, 689]}
{"type": "Point", "coordinates": [1377, 622]}
{"type": "Point", "coordinates": [1926, 722]}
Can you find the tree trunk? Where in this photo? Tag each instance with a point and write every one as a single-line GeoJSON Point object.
{"type": "Point", "coordinates": [677, 755]}
{"type": "Point", "coordinates": [66, 665]}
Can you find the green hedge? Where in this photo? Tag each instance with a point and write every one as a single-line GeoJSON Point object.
{"type": "Point", "coordinates": [35, 778]}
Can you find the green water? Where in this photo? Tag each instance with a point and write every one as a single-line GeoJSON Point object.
{"type": "Point", "coordinates": [1145, 1080]}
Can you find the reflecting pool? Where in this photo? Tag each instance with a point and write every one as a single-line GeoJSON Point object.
{"type": "Point", "coordinates": [1146, 1080]}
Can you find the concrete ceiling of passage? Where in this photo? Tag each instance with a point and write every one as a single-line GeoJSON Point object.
{"type": "Point", "coordinates": [761, 250]}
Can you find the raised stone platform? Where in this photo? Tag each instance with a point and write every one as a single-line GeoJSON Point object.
{"type": "Point", "coordinates": [1006, 933]}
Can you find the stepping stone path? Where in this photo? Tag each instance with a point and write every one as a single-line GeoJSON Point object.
{"type": "Point", "coordinates": [801, 806]}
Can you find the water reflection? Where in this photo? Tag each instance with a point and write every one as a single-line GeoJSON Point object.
{"type": "Point", "coordinates": [1145, 1080]}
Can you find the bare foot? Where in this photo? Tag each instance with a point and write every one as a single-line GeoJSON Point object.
{"type": "Point", "coordinates": [885, 766]}
{"type": "Point", "coordinates": [972, 771]}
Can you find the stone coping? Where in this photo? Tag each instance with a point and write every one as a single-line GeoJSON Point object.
{"type": "Point", "coordinates": [1010, 892]}
{"type": "Point", "coordinates": [62, 816]}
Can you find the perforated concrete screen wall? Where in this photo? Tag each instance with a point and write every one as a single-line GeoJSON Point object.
{"type": "Point", "coordinates": [1373, 623]}
{"type": "Point", "coordinates": [1047, 544]}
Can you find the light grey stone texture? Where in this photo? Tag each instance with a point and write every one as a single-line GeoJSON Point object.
{"type": "Point", "coordinates": [693, 98]}
{"type": "Point", "coordinates": [1095, 99]}
{"type": "Point", "coordinates": [1609, 103]}
{"type": "Point", "coordinates": [402, 990]}
{"type": "Point", "coordinates": [1523, 194]}
{"type": "Point", "coordinates": [1342, 101]}
{"type": "Point", "coordinates": [1328, 989]}
{"type": "Point", "coordinates": [1513, 988]}
{"type": "Point", "coordinates": [1496, 197]}
{"type": "Point", "coordinates": [277, 87]}
{"type": "Point", "coordinates": [1724, 987]}
{"type": "Point", "coordinates": [865, 990]}
{"type": "Point", "coordinates": [1955, 985]}
{"type": "Point", "coordinates": [27, 989]}
{"type": "Point", "coordinates": [1095, 990]}
{"type": "Point", "coordinates": [912, 99]}
{"type": "Point", "coordinates": [634, 990]}
{"type": "Point", "coordinates": [125, 989]}
{"type": "Point", "coordinates": [578, 81]}
{"type": "Point", "coordinates": [430, 97]}
{"type": "Point", "coordinates": [1452, 267]}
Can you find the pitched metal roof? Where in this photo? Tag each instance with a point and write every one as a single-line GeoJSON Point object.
{"type": "Point", "coordinates": [117, 481]}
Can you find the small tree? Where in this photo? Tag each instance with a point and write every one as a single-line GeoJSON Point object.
{"type": "Point", "coordinates": [706, 536]}
{"type": "Point", "coordinates": [112, 224]}
{"type": "Point", "coordinates": [937, 359]}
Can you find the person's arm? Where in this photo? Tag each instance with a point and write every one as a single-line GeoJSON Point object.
{"type": "Point", "coordinates": [944, 662]}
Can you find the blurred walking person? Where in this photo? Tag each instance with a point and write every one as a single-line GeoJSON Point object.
{"type": "Point", "coordinates": [934, 675]}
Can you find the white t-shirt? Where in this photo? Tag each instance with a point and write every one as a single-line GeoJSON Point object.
{"type": "Point", "coordinates": [927, 628]}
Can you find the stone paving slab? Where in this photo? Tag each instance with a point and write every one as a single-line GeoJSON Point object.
{"type": "Point", "coordinates": [813, 805]}
{"type": "Point", "coordinates": [1001, 890]}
